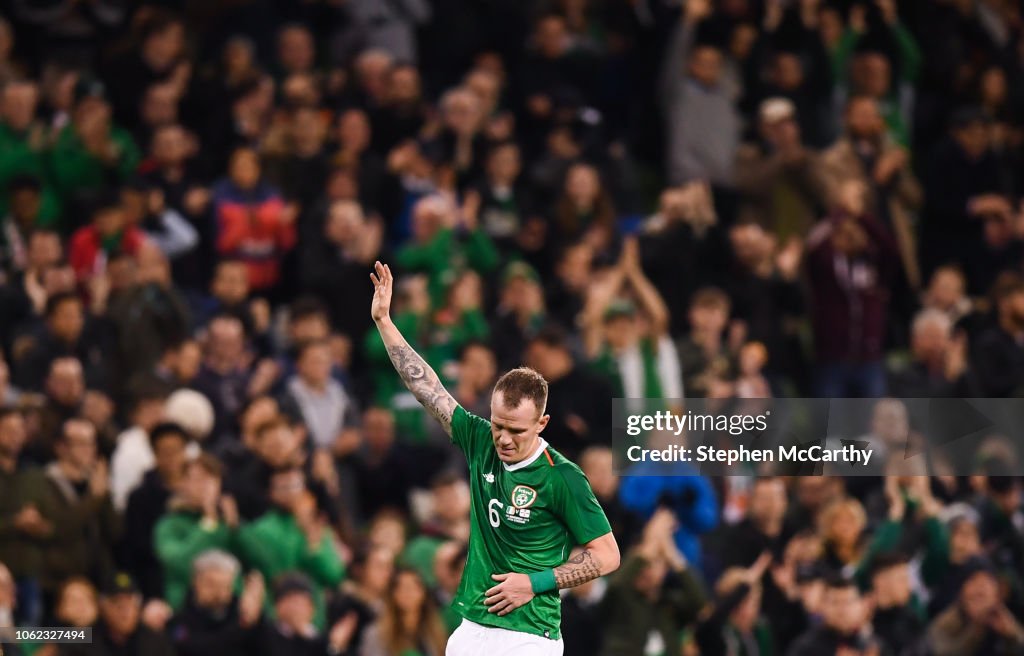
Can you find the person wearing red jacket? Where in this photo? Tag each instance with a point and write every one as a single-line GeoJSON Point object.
{"type": "Point", "coordinates": [106, 236]}
{"type": "Point", "coordinates": [254, 224]}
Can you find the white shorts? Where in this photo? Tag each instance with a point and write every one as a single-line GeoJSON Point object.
{"type": "Point", "coordinates": [472, 639]}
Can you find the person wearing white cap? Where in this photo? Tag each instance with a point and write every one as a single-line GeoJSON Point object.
{"type": "Point", "coordinates": [779, 178]}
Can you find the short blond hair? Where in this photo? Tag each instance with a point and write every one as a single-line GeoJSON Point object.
{"type": "Point", "coordinates": [828, 514]}
{"type": "Point", "coordinates": [523, 383]}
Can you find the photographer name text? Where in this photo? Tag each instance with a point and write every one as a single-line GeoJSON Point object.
{"type": "Point", "coordinates": [848, 454]}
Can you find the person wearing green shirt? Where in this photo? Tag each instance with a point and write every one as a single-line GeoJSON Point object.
{"type": "Point", "coordinates": [23, 148]}
{"type": "Point", "coordinates": [444, 245]}
{"type": "Point", "coordinates": [198, 520]}
{"type": "Point", "coordinates": [869, 72]}
{"type": "Point", "coordinates": [530, 506]}
{"type": "Point", "coordinates": [90, 152]}
{"type": "Point", "coordinates": [293, 537]}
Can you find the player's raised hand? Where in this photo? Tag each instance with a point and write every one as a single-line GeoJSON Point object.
{"type": "Point", "coordinates": [383, 282]}
{"type": "Point", "coordinates": [513, 591]}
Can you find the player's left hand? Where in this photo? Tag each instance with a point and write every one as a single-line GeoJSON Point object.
{"type": "Point", "coordinates": [513, 591]}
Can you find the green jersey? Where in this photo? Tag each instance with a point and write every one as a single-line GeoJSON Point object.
{"type": "Point", "coordinates": [524, 518]}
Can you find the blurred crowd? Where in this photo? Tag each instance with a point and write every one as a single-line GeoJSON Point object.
{"type": "Point", "coordinates": [204, 448]}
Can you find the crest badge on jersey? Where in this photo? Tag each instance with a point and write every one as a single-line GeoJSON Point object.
{"type": "Point", "coordinates": [523, 496]}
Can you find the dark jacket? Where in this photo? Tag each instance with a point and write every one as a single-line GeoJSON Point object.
{"type": "Point", "coordinates": [899, 626]}
{"type": "Point", "coordinates": [951, 179]}
{"type": "Point", "coordinates": [136, 554]}
{"type": "Point", "coordinates": [823, 640]}
{"type": "Point", "coordinates": [275, 642]}
{"type": "Point", "coordinates": [915, 381]}
{"type": "Point", "coordinates": [629, 616]}
{"type": "Point", "coordinates": [338, 281]}
{"type": "Point", "coordinates": [998, 361]}
{"type": "Point", "coordinates": [84, 528]}
{"type": "Point", "coordinates": [143, 641]}
{"type": "Point", "coordinates": [716, 635]}
{"type": "Point", "coordinates": [91, 349]}
{"type": "Point", "coordinates": [146, 319]}
{"type": "Point", "coordinates": [22, 554]}
{"type": "Point", "coordinates": [850, 295]}
{"type": "Point", "coordinates": [198, 632]}
{"type": "Point", "coordinates": [953, 634]}
{"type": "Point", "coordinates": [586, 395]}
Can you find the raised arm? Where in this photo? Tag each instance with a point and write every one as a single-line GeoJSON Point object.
{"type": "Point", "coordinates": [647, 295]}
{"type": "Point", "coordinates": [414, 371]}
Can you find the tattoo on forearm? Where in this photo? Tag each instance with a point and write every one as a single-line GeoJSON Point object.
{"type": "Point", "coordinates": [423, 383]}
{"type": "Point", "coordinates": [578, 570]}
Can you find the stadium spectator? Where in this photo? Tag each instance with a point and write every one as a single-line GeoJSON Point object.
{"type": "Point", "coordinates": [26, 516]}
{"type": "Point", "coordinates": [871, 156]}
{"type": "Point", "coordinates": [779, 177]}
{"type": "Point", "coordinates": [850, 261]}
{"type": "Point", "coordinates": [734, 618]}
{"type": "Point", "coordinates": [520, 313]}
{"type": "Point", "coordinates": [134, 454]}
{"type": "Point", "coordinates": [705, 354]}
{"type": "Point", "coordinates": [448, 521]}
{"type": "Point", "coordinates": [91, 147]}
{"type": "Point", "coordinates": [693, 93]}
{"type": "Point", "coordinates": [763, 529]}
{"type": "Point", "coordinates": [214, 618]}
{"type": "Point", "coordinates": [85, 525]}
{"type": "Point", "coordinates": [197, 519]}
{"type": "Point", "coordinates": [77, 603]}
{"type": "Point", "coordinates": [25, 215]}
{"type": "Point", "coordinates": [253, 223]}
{"type": "Point", "coordinates": [978, 622]}
{"type": "Point", "coordinates": [571, 387]}
{"type": "Point", "coordinates": [409, 622]}
{"type": "Point", "coordinates": [897, 616]}
{"type": "Point", "coordinates": [597, 463]}
{"type": "Point", "coordinates": [845, 624]}
{"type": "Point", "coordinates": [648, 486]}
{"type": "Point", "coordinates": [997, 350]}
{"type": "Point", "coordinates": [147, 503]}
{"type": "Point", "coordinates": [23, 165]}
{"type": "Point", "coordinates": [963, 179]}
{"type": "Point", "coordinates": [583, 211]}
{"type": "Point", "coordinates": [120, 626]}
{"type": "Point", "coordinates": [654, 595]}
{"type": "Point", "coordinates": [292, 536]}
{"type": "Point", "coordinates": [67, 333]}
{"type": "Point", "coordinates": [326, 408]}
{"type": "Point", "coordinates": [227, 376]}
{"type": "Point", "coordinates": [8, 598]}
{"type": "Point", "coordinates": [294, 630]}
{"type": "Point", "coordinates": [444, 244]}
{"type": "Point", "coordinates": [766, 301]}
{"type": "Point", "coordinates": [634, 352]}
{"type": "Point", "coordinates": [333, 259]}
{"type": "Point", "coordinates": [478, 371]}
{"type": "Point", "coordinates": [275, 444]}
{"type": "Point", "coordinates": [938, 367]}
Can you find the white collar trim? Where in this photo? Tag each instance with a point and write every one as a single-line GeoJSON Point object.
{"type": "Point", "coordinates": [528, 461]}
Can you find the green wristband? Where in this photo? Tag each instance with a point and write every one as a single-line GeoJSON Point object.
{"type": "Point", "coordinates": [543, 581]}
